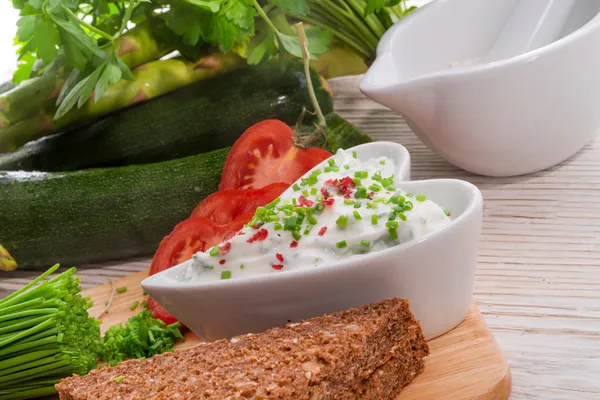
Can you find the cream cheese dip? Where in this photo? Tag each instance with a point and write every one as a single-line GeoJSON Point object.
{"type": "Point", "coordinates": [347, 207]}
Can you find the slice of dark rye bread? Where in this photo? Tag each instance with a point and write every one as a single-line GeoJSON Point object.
{"type": "Point", "coordinates": [370, 352]}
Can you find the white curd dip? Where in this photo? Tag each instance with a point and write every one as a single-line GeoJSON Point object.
{"type": "Point", "coordinates": [348, 207]}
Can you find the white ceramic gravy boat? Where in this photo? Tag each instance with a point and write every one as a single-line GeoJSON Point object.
{"type": "Point", "coordinates": [531, 99]}
{"type": "Point", "coordinates": [435, 273]}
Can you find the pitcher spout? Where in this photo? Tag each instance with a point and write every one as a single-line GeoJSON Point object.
{"type": "Point", "coordinates": [382, 82]}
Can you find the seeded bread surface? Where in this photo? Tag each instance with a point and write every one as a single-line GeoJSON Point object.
{"type": "Point", "coordinates": [370, 352]}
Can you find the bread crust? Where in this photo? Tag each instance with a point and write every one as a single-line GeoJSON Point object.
{"type": "Point", "coordinates": [370, 352]}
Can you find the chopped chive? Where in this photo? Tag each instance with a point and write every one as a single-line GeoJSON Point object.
{"type": "Point", "coordinates": [393, 234]}
{"type": "Point", "coordinates": [357, 216]}
{"type": "Point", "coordinates": [296, 187]}
{"type": "Point", "coordinates": [273, 218]}
{"type": "Point", "coordinates": [358, 204]}
{"type": "Point", "coordinates": [374, 219]}
{"type": "Point", "coordinates": [379, 200]}
{"type": "Point", "coordinates": [346, 166]}
{"type": "Point", "coordinates": [294, 201]}
{"type": "Point", "coordinates": [121, 289]}
{"type": "Point", "coordinates": [361, 174]}
{"type": "Point", "coordinates": [278, 227]}
{"type": "Point", "coordinates": [408, 194]}
{"type": "Point", "coordinates": [273, 203]}
{"type": "Point", "coordinates": [377, 177]}
{"type": "Point", "coordinates": [357, 181]}
{"type": "Point", "coordinates": [327, 169]}
{"type": "Point", "coordinates": [260, 211]}
{"type": "Point", "coordinates": [420, 198]}
{"type": "Point", "coordinates": [119, 379]}
{"type": "Point", "coordinates": [285, 207]}
{"type": "Point", "coordinates": [313, 191]}
{"type": "Point", "coordinates": [307, 230]}
{"type": "Point", "coordinates": [390, 189]}
{"type": "Point", "coordinates": [305, 193]}
{"type": "Point", "coordinates": [391, 224]}
{"type": "Point", "coordinates": [214, 251]}
{"type": "Point", "coordinates": [447, 213]}
{"type": "Point", "coordinates": [402, 217]}
{"type": "Point", "coordinates": [320, 207]}
{"type": "Point", "coordinates": [296, 235]}
{"type": "Point", "coordinates": [354, 154]}
{"type": "Point", "coordinates": [394, 199]}
{"type": "Point", "coordinates": [361, 193]}
{"type": "Point", "coordinates": [382, 162]}
{"type": "Point", "coordinates": [348, 201]}
{"type": "Point", "coordinates": [311, 219]}
{"type": "Point", "coordinates": [225, 274]}
{"type": "Point", "coordinates": [387, 182]}
{"type": "Point", "coordinates": [290, 223]}
{"type": "Point", "coordinates": [392, 216]}
{"type": "Point", "coordinates": [134, 305]}
{"type": "Point", "coordinates": [341, 245]}
{"type": "Point", "coordinates": [375, 188]}
{"type": "Point", "coordinates": [331, 162]}
{"type": "Point", "coordinates": [335, 169]}
{"type": "Point", "coordinates": [342, 221]}
{"type": "Point", "coordinates": [408, 205]}
{"type": "Point", "coordinates": [242, 266]}
{"type": "Point", "coordinates": [365, 243]}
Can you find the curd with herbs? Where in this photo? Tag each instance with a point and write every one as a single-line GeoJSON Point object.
{"type": "Point", "coordinates": [347, 207]}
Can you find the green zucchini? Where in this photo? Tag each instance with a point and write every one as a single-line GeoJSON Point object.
{"type": "Point", "coordinates": [102, 214]}
{"type": "Point", "coordinates": [201, 117]}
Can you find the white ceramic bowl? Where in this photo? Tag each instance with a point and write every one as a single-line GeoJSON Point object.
{"type": "Point", "coordinates": [435, 273]}
{"type": "Point", "coordinates": [510, 117]}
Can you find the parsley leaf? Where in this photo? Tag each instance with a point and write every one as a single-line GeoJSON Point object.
{"type": "Point", "coordinates": [24, 66]}
{"type": "Point", "coordinates": [80, 92]}
{"type": "Point", "coordinates": [45, 40]}
{"type": "Point", "coordinates": [26, 26]}
{"type": "Point", "coordinates": [210, 5]}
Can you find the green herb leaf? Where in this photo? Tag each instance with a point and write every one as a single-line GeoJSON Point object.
{"type": "Point", "coordinates": [210, 5]}
{"type": "Point", "coordinates": [89, 85]}
{"type": "Point", "coordinates": [24, 66]}
{"type": "Point", "coordinates": [26, 26]}
{"type": "Point", "coordinates": [110, 75]}
{"type": "Point", "coordinates": [45, 40]}
{"type": "Point", "coordinates": [80, 92]}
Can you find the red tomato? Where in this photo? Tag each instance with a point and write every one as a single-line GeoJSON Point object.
{"type": "Point", "coordinates": [265, 154]}
{"type": "Point", "coordinates": [190, 236]}
{"type": "Point", "coordinates": [225, 205]}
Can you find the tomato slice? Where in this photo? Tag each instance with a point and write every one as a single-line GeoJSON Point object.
{"type": "Point", "coordinates": [188, 237]}
{"type": "Point", "coordinates": [224, 206]}
{"type": "Point", "coordinates": [265, 154]}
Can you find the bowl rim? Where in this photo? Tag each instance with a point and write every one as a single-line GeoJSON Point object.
{"type": "Point", "coordinates": [383, 50]}
{"type": "Point", "coordinates": [474, 202]}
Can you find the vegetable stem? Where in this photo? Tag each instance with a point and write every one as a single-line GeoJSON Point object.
{"type": "Point", "coordinates": [306, 56]}
{"type": "Point", "coordinates": [90, 27]}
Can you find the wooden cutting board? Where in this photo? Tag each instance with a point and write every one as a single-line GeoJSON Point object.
{"type": "Point", "coordinates": [466, 363]}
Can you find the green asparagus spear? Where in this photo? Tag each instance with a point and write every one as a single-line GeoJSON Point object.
{"type": "Point", "coordinates": [136, 47]}
{"type": "Point", "coordinates": [151, 80]}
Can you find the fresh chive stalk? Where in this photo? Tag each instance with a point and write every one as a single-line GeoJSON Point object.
{"type": "Point", "coordinates": [46, 334]}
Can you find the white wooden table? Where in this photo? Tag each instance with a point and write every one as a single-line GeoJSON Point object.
{"type": "Point", "coordinates": [538, 279]}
